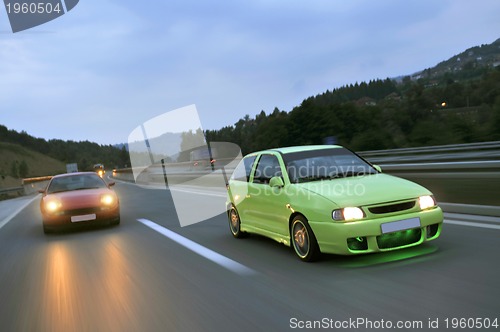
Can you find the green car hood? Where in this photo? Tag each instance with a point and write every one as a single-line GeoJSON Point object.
{"type": "Point", "coordinates": [365, 190]}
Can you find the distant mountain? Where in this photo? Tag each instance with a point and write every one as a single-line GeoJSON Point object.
{"type": "Point", "coordinates": [473, 59]}
{"type": "Point", "coordinates": [168, 143]}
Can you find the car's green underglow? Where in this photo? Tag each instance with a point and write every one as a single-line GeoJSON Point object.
{"type": "Point", "coordinates": [422, 252]}
{"type": "Point", "coordinates": [268, 208]}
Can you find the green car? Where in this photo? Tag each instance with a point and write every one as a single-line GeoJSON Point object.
{"type": "Point", "coordinates": [327, 199]}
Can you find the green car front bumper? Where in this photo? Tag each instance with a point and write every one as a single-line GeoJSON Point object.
{"type": "Point", "coordinates": [368, 235]}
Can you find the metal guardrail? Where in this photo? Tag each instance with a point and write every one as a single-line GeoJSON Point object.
{"type": "Point", "coordinates": [495, 145]}
{"type": "Point", "coordinates": [29, 186]}
{"type": "Point", "coordinates": [469, 166]}
{"type": "Point", "coordinates": [14, 190]}
{"type": "Point", "coordinates": [473, 157]}
{"type": "Point", "coordinates": [467, 176]}
{"type": "Point", "coordinates": [486, 151]}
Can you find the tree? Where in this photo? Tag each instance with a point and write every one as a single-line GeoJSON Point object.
{"type": "Point", "coordinates": [495, 124]}
{"type": "Point", "coordinates": [23, 169]}
{"type": "Point", "coordinates": [192, 140]}
{"type": "Point", "coordinates": [14, 172]}
{"type": "Point", "coordinates": [124, 157]}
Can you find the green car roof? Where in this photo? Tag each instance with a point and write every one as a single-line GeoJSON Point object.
{"type": "Point", "coordinates": [291, 149]}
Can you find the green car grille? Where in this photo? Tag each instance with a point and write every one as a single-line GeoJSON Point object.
{"type": "Point", "coordinates": [392, 207]}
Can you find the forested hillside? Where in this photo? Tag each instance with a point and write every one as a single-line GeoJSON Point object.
{"type": "Point", "coordinates": [457, 106]}
{"type": "Point", "coordinates": [17, 162]}
{"type": "Point", "coordinates": [85, 153]}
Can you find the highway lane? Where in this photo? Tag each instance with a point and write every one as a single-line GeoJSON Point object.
{"type": "Point", "coordinates": [132, 278]}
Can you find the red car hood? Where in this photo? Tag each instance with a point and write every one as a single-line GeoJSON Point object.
{"type": "Point", "coordinates": [78, 199]}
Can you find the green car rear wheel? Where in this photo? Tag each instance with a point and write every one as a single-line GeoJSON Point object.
{"type": "Point", "coordinates": [235, 223]}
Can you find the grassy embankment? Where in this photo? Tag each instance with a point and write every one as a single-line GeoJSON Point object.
{"type": "Point", "coordinates": [37, 164]}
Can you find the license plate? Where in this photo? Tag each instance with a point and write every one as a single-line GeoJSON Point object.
{"type": "Point", "coordinates": [400, 225]}
{"type": "Point", "coordinates": [85, 217]}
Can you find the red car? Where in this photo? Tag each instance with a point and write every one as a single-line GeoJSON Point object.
{"type": "Point", "coordinates": [78, 199]}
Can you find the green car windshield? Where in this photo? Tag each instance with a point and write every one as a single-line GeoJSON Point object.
{"type": "Point", "coordinates": [325, 164]}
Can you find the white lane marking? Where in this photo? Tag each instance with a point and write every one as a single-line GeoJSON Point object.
{"type": "Point", "coordinates": [199, 249]}
{"type": "Point", "coordinates": [13, 214]}
{"type": "Point", "coordinates": [471, 224]}
{"type": "Point", "coordinates": [198, 191]}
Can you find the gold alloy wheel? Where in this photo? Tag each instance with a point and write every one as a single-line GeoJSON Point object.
{"type": "Point", "coordinates": [301, 238]}
{"type": "Point", "coordinates": [234, 221]}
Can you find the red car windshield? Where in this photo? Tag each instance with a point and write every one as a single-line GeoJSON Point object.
{"type": "Point", "coordinates": [75, 182]}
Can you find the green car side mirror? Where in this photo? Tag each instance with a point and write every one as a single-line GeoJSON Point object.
{"type": "Point", "coordinates": [276, 181]}
{"type": "Point", "coordinates": [378, 168]}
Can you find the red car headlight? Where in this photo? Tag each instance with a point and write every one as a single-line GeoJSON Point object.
{"type": "Point", "coordinates": [53, 205]}
{"type": "Point", "coordinates": [108, 200]}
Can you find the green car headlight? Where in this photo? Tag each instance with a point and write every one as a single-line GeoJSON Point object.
{"type": "Point", "coordinates": [348, 213]}
{"type": "Point", "coordinates": [426, 202]}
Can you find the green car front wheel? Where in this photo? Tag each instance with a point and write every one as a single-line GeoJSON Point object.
{"type": "Point", "coordinates": [303, 240]}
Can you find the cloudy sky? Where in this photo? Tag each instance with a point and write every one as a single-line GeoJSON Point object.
{"type": "Point", "coordinates": [107, 66]}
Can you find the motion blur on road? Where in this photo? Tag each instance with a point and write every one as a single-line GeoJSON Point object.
{"type": "Point", "coordinates": [137, 278]}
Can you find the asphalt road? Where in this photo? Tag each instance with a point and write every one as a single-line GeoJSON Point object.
{"type": "Point", "coordinates": [135, 278]}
